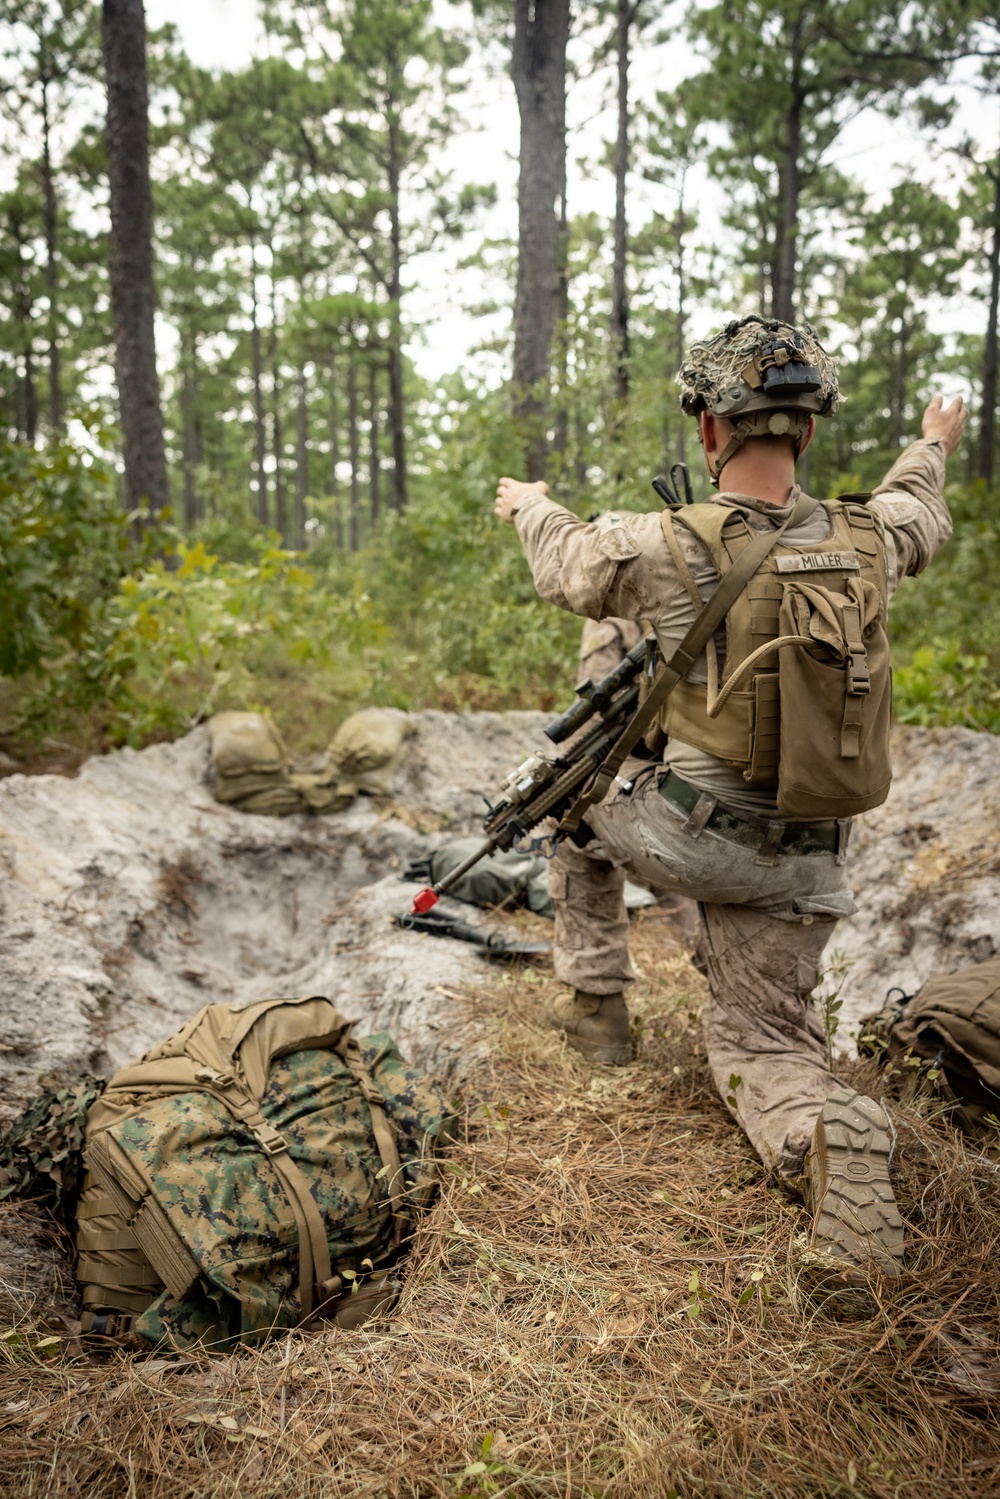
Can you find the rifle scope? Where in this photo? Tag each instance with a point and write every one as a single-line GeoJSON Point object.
{"type": "Point", "coordinates": [593, 699]}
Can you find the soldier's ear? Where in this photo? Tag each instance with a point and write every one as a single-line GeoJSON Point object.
{"type": "Point", "coordinates": [808, 437]}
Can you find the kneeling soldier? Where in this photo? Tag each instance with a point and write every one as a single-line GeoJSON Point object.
{"type": "Point", "coordinates": [775, 737]}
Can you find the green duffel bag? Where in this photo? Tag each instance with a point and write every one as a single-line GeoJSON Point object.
{"type": "Point", "coordinates": [951, 1026]}
{"type": "Point", "coordinates": [259, 1170]}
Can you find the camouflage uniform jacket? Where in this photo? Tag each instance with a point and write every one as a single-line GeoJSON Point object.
{"type": "Point", "coordinates": [620, 566]}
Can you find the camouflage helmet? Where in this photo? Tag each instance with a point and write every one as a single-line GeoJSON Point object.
{"type": "Point", "coordinates": [765, 376]}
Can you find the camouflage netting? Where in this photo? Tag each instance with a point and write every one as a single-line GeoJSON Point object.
{"type": "Point", "coordinates": [42, 1150]}
{"type": "Point", "coordinates": [715, 370]}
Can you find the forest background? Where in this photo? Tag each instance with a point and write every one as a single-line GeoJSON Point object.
{"type": "Point", "coordinates": [286, 504]}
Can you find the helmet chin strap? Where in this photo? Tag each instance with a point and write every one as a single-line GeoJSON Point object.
{"type": "Point", "coordinates": [793, 424]}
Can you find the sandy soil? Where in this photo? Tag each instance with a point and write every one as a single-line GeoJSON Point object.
{"type": "Point", "coordinates": [130, 898]}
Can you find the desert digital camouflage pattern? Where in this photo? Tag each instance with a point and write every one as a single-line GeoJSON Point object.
{"type": "Point", "coordinates": [764, 926]}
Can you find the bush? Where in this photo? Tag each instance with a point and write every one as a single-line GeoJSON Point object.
{"type": "Point", "coordinates": [943, 684]}
{"type": "Point", "coordinates": [63, 546]}
{"type": "Point", "coordinates": [189, 639]}
{"type": "Point", "coordinates": [946, 624]}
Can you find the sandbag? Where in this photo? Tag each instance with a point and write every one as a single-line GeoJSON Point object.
{"type": "Point", "coordinates": [246, 744]}
{"type": "Point", "coordinates": [250, 765]}
{"type": "Point", "coordinates": [366, 750]}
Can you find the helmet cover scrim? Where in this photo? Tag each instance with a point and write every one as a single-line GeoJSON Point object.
{"type": "Point", "coordinates": [765, 376]}
{"type": "Point", "coordinates": [759, 364]}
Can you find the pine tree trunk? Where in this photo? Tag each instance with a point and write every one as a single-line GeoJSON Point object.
{"type": "Point", "coordinates": [51, 265]}
{"type": "Point", "coordinates": [334, 420]}
{"type": "Point", "coordinates": [680, 330]}
{"type": "Point", "coordinates": [354, 518]}
{"type": "Point", "coordinates": [301, 459]}
{"type": "Point", "coordinates": [538, 69]}
{"type": "Point", "coordinates": [260, 432]}
{"type": "Point", "coordinates": [191, 444]}
{"type": "Point", "coordinates": [619, 294]}
{"type": "Point", "coordinates": [280, 515]}
{"type": "Point", "coordinates": [988, 415]}
{"type": "Point", "coordinates": [27, 404]}
{"type": "Point", "coordinates": [373, 456]}
{"type": "Point", "coordinates": [789, 189]}
{"type": "Point", "coordinates": [561, 438]}
{"type": "Point", "coordinates": [899, 394]}
{"type": "Point", "coordinates": [133, 297]}
{"type": "Point", "coordinates": [397, 407]}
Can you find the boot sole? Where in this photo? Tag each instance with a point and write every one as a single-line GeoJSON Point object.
{"type": "Point", "coordinates": [855, 1212]}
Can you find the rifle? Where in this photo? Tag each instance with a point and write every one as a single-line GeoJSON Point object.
{"type": "Point", "coordinates": [540, 787]}
{"type": "Point", "coordinates": [494, 944]}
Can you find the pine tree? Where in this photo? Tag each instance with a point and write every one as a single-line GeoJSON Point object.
{"type": "Point", "coordinates": [784, 77]}
{"type": "Point", "coordinates": [131, 264]}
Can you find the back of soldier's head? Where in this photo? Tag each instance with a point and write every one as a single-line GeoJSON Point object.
{"type": "Point", "coordinates": [767, 378]}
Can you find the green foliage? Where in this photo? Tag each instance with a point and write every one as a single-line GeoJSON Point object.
{"type": "Point", "coordinates": [944, 684]}
{"type": "Point", "coordinates": [188, 640]}
{"type": "Point", "coordinates": [292, 192]}
{"type": "Point", "coordinates": [945, 625]}
{"type": "Point", "coordinates": [453, 583]}
{"type": "Point", "coordinates": [63, 545]}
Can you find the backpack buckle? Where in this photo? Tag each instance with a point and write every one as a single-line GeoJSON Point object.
{"type": "Point", "coordinates": [770, 845]}
{"type": "Point", "coordinates": [858, 676]}
{"type": "Point", "coordinates": [271, 1140]}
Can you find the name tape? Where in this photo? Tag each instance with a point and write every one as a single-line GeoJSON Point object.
{"type": "Point", "coordinates": [818, 562]}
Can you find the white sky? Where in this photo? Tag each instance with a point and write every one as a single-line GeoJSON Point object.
{"type": "Point", "coordinates": [223, 34]}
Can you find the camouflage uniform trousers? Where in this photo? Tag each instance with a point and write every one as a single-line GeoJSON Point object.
{"type": "Point", "coordinates": [764, 929]}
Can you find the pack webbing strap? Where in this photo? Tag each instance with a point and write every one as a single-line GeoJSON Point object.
{"type": "Point", "coordinates": [385, 1139]}
{"type": "Point", "coordinates": [858, 683]}
{"type": "Point", "coordinates": [314, 1249]}
{"type": "Point", "coordinates": [684, 657]}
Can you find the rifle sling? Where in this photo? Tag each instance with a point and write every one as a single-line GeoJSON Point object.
{"type": "Point", "coordinates": [676, 669]}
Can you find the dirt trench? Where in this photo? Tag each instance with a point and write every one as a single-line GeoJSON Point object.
{"type": "Point", "coordinates": [130, 897]}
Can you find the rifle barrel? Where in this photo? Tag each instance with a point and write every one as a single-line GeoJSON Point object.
{"type": "Point", "coordinates": [453, 875]}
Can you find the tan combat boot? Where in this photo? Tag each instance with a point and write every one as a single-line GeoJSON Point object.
{"type": "Point", "coordinates": [596, 1025]}
{"type": "Point", "coordinates": [856, 1222]}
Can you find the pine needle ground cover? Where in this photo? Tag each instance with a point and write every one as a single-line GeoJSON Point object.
{"type": "Point", "coordinates": [609, 1299]}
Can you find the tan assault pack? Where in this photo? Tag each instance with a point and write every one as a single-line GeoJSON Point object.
{"type": "Point", "coordinates": [951, 1030]}
{"type": "Point", "coordinates": [803, 705]}
{"type": "Point", "coordinates": [257, 1169]}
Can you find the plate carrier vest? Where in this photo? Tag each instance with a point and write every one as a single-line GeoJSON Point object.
{"type": "Point", "coordinates": [809, 719]}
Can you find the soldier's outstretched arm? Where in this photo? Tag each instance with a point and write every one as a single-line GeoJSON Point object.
{"type": "Point", "coordinates": [910, 499]}
{"type": "Point", "coordinates": [616, 566]}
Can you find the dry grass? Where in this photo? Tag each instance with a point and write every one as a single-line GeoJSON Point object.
{"type": "Point", "coordinates": [607, 1300]}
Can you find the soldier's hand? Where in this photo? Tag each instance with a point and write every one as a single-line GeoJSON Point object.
{"type": "Point", "coordinates": [510, 493]}
{"type": "Point", "coordinates": [946, 422]}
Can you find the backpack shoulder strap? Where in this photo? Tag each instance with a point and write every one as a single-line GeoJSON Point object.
{"type": "Point", "coordinates": [676, 669]}
{"type": "Point", "coordinates": [707, 521]}
{"type": "Point", "coordinates": [680, 561]}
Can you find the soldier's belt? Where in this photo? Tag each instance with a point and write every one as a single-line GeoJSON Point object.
{"type": "Point", "coordinates": [771, 837]}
